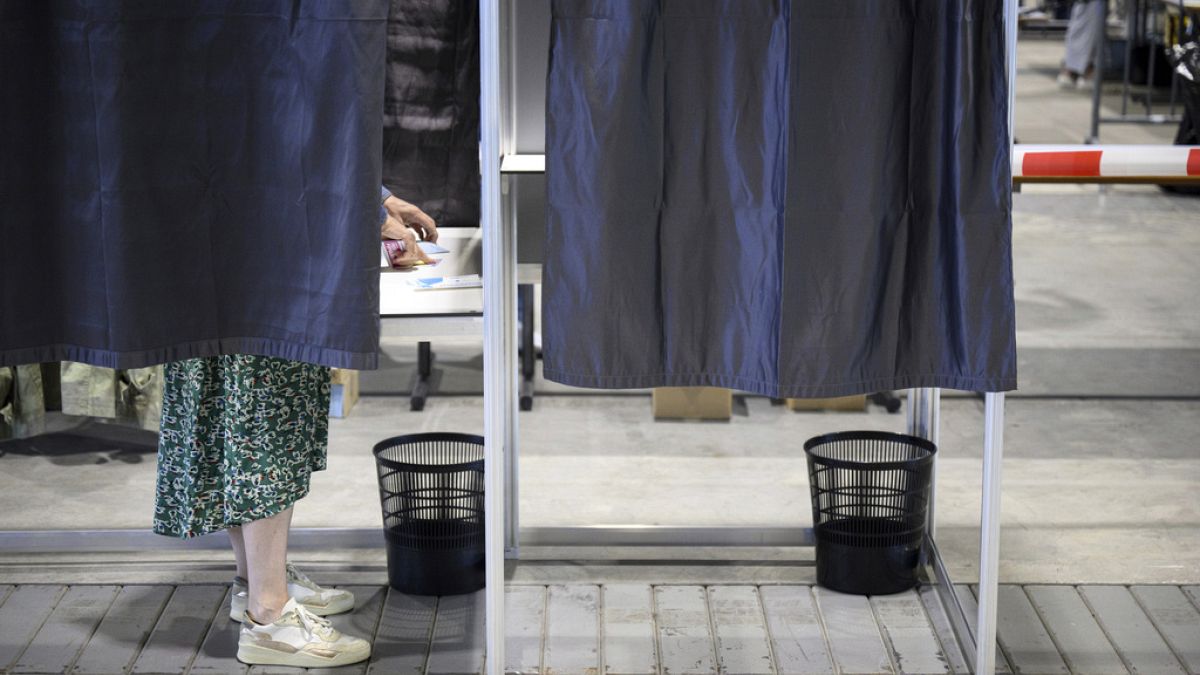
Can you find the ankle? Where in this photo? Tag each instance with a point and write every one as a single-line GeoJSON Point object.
{"type": "Point", "coordinates": [267, 611]}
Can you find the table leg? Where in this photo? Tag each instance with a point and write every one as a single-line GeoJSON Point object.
{"type": "Point", "coordinates": [528, 354]}
{"type": "Point", "coordinates": [421, 381]}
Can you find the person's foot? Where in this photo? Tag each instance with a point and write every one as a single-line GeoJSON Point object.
{"type": "Point", "coordinates": [1066, 80]}
{"type": "Point", "coordinates": [1086, 79]}
{"type": "Point", "coordinates": [316, 599]}
{"type": "Point", "coordinates": [239, 598]}
{"type": "Point", "coordinates": [298, 638]}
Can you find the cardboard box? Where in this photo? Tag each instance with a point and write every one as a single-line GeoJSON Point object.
{"type": "Point", "coordinates": [693, 403]}
{"type": "Point", "coordinates": [842, 403]}
{"type": "Point", "coordinates": [343, 391]}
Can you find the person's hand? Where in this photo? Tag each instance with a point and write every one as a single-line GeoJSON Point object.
{"type": "Point", "coordinates": [412, 254]}
{"type": "Point", "coordinates": [413, 217]}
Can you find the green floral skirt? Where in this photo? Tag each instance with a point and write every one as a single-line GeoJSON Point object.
{"type": "Point", "coordinates": [239, 439]}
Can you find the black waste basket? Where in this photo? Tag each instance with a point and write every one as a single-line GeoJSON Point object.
{"type": "Point", "coordinates": [870, 496]}
{"type": "Point", "coordinates": [431, 490]}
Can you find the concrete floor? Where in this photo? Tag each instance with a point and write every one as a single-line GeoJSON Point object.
{"type": "Point", "coordinates": [1102, 469]}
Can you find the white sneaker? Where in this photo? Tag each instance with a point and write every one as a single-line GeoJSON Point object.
{"type": "Point", "coordinates": [318, 600]}
{"type": "Point", "coordinates": [298, 638]}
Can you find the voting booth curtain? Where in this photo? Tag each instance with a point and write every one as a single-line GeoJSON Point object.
{"type": "Point", "coordinates": [795, 198]}
{"type": "Point", "coordinates": [431, 108]}
{"type": "Point", "coordinates": [183, 179]}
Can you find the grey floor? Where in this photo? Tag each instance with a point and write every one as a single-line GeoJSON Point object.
{"type": "Point", "coordinates": [619, 629]}
{"type": "Point", "coordinates": [1100, 546]}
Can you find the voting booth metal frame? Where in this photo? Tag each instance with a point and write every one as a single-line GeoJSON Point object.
{"type": "Point", "coordinates": [502, 373]}
{"type": "Point", "coordinates": [504, 536]}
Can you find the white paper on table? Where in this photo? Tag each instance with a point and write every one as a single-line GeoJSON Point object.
{"type": "Point", "coordinates": [442, 283]}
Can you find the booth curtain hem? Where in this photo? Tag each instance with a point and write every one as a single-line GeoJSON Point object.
{"type": "Point", "coordinates": [825, 390]}
{"type": "Point", "coordinates": [334, 358]}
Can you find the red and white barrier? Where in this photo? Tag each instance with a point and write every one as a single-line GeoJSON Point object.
{"type": "Point", "coordinates": [1106, 163]}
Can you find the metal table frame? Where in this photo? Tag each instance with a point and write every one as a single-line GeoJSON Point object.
{"type": "Point", "coordinates": [1139, 16]}
{"type": "Point", "coordinates": [503, 534]}
{"type": "Point", "coordinates": [426, 315]}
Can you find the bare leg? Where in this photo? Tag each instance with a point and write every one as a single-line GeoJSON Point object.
{"type": "Point", "coordinates": [266, 554]}
{"type": "Point", "coordinates": [238, 542]}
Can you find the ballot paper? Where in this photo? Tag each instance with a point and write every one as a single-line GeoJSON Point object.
{"type": "Point", "coordinates": [442, 283]}
{"type": "Point", "coordinates": [392, 247]}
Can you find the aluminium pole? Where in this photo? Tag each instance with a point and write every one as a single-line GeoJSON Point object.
{"type": "Point", "coordinates": [923, 416]}
{"type": "Point", "coordinates": [495, 311]}
{"type": "Point", "coordinates": [1097, 73]}
{"type": "Point", "coordinates": [993, 434]}
{"type": "Point", "coordinates": [989, 535]}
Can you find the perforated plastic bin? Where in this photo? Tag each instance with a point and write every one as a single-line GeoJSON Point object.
{"type": "Point", "coordinates": [870, 497]}
{"type": "Point", "coordinates": [431, 490]}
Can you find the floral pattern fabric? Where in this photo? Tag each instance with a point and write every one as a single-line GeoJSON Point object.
{"type": "Point", "coordinates": [239, 439]}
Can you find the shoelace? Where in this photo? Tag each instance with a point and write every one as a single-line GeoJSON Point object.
{"type": "Point", "coordinates": [315, 625]}
{"type": "Point", "coordinates": [299, 577]}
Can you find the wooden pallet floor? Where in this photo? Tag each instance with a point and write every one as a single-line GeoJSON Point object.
{"type": "Point", "coordinates": [618, 629]}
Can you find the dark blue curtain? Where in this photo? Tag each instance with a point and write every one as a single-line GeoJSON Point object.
{"type": "Point", "coordinates": [183, 179]}
{"type": "Point", "coordinates": [789, 197]}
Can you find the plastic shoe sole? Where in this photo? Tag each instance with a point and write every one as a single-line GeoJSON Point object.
{"type": "Point", "coordinates": [256, 655]}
